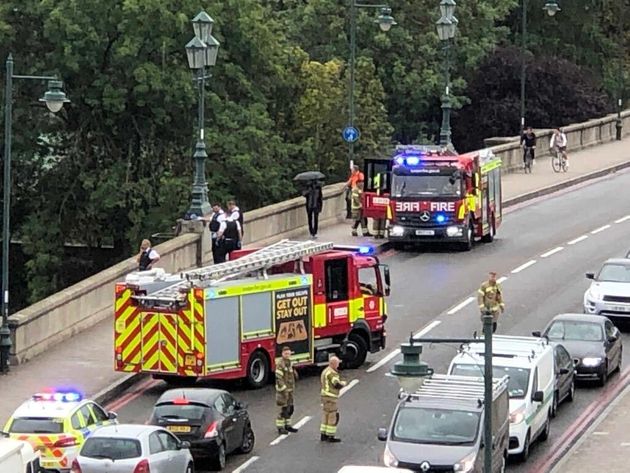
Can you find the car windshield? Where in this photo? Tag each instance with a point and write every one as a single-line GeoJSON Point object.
{"type": "Point", "coordinates": [36, 425]}
{"type": "Point", "coordinates": [575, 330]}
{"type": "Point", "coordinates": [614, 272]}
{"type": "Point", "coordinates": [408, 186]}
{"type": "Point", "coordinates": [437, 426]}
{"type": "Point", "coordinates": [112, 448]}
{"type": "Point", "coordinates": [518, 377]}
{"type": "Point", "coordinates": [180, 411]}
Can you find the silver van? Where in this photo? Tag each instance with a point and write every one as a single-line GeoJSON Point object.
{"type": "Point", "coordinates": [440, 427]}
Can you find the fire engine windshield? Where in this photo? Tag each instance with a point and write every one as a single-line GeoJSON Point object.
{"type": "Point", "coordinates": [426, 185]}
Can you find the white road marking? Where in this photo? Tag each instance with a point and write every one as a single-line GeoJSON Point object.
{"type": "Point", "coordinates": [350, 385]}
{"type": "Point", "coordinates": [300, 423]}
{"type": "Point", "coordinates": [245, 465]}
{"type": "Point", "coordinates": [278, 439]}
{"type": "Point", "coordinates": [384, 361]}
{"type": "Point", "coordinates": [552, 252]}
{"type": "Point", "coordinates": [524, 266]}
{"type": "Point", "coordinates": [427, 329]}
{"type": "Point", "coordinates": [600, 433]}
{"type": "Point", "coordinates": [461, 305]}
{"type": "Point", "coordinates": [625, 444]}
{"type": "Point", "coordinates": [619, 220]}
{"type": "Point", "coordinates": [600, 229]}
{"type": "Point", "coordinates": [297, 425]}
{"type": "Point", "coordinates": [502, 279]}
{"type": "Point", "coordinates": [577, 240]}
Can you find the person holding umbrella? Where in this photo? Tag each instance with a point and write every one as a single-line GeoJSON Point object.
{"type": "Point", "coordinates": [314, 198]}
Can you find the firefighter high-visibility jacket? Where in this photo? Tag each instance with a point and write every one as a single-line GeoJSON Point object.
{"type": "Point", "coordinates": [331, 383]}
{"type": "Point", "coordinates": [285, 377]}
{"type": "Point", "coordinates": [490, 297]}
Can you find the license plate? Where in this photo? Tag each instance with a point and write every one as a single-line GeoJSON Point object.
{"type": "Point", "coordinates": [620, 308]}
{"type": "Point", "coordinates": [179, 428]}
{"type": "Point", "coordinates": [425, 232]}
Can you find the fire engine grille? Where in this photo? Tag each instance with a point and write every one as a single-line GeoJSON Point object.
{"type": "Point", "coordinates": [417, 221]}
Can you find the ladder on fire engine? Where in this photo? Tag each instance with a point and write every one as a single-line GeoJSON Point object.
{"type": "Point", "coordinates": [281, 252]}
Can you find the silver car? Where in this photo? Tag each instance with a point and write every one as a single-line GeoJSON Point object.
{"type": "Point", "coordinates": [129, 448]}
{"type": "Point", "coordinates": [609, 293]}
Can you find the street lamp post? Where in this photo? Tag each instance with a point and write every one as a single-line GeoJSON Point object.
{"type": "Point", "coordinates": [202, 52]}
{"type": "Point", "coordinates": [54, 99]}
{"type": "Point", "coordinates": [411, 366]}
{"type": "Point", "coordinates": [620, 86]}
{"type": "Point", "coordinates": [551, 7]}
{"type": "Point", "coordinates": [446, 29]}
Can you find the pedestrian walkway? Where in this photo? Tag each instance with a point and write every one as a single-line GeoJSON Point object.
{"type": "Point", "coordinates": [86, 360]}
{"type": "Point", "coordinates": [606, 445]}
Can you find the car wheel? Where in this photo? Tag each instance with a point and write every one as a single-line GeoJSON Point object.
{"type": "Point", "coordinates": [190, 468]}
{"type": "Point", "coordinates": [355, 351]}
{"type": "Point", "coordinates": [218, 463]}
{"type": "Point", "coordinates": [524, 455]}
{"type": "Point", "coordinates": [257, 370]}
{"type": "Point", "coordinates": [248, 440]}
{"type": "Point", "coordinates": [571, 395]}
{"type": "Point", "coordinates": [554, 404]}
{"type": "Point", "coordinates": [544, 435]}
{"type": "Point", "coordinates": [603, 378]}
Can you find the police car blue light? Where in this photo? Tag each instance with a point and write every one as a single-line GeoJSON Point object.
{"type": "Point", "coordinates": [413, 160]}
{"type": "Point", "coordinates": [59, 396]}
{"type": "Point", "coordinates": [440, 218]}
{"type": "Point", "coordinates": [366, 250]}
{"type": "Point", "coordinates": [400, 160]}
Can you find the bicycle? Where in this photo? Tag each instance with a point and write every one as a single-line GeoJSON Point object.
{"type": "Point", "coordinates": [528, 159]}
{"type": "Point", "coordinates": [558, 161]}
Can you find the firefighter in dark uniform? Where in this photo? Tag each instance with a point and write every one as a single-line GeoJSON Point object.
{"type": "Point", "coordinates": [285, 385]}
{"type": "Point", "coordinates": [331, 385]}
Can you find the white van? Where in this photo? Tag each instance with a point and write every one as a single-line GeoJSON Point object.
{"type": "Point", "coordinates": [529, 363]}
{"type": "Point", "coordinates": [371, 469]}
{"type": "Point", "coordinates": [18, 457]}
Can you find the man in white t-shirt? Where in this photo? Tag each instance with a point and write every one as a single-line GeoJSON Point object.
{"type": "Point", "coordinates": [559, 142]}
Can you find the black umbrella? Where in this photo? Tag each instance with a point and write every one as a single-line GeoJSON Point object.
{"type": "Point", "coordinates": [309, 176]}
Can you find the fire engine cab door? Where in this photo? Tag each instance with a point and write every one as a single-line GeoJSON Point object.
{"type": "Point", "coordinates": [370, 290]}
{"type": "Point", "coordinates": [337, 291]}
{"type": "Point", "coordinates": [159, 342]}
{"type": "Point", "coordinates": [485, 205]}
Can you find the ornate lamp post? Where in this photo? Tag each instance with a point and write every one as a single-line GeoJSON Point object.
{"type": "Point", "coordinates": [446, 29]}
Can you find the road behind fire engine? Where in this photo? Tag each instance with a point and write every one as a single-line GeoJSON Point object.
{"type": "Point", "coordinates": [543, 249]}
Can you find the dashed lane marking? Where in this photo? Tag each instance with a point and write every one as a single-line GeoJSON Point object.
{"type": "Point", "coordinates": [502, 279]}
{"type": "Point", "coordinates": [620, 220]}
{"type": "Point", "coordinates": [577, 240]}
{"type": "Point", "coordinates": [625, 444]}
{"type": "Point", "coordinates": [278, 439]}
{"type": "Point", "coordinates": [427, 329]}
{"type": "Point", "coordinates": [461, 305]}
{"type": "Point", "coordinates": [600, 433]}
{"type": "Point", "coordinates": [524, 266]}
{"type": "Point", "coordinates": [350, 385]}
{"type": "Point", "coordinates": [557, 249]}
{"type": "Point", "coordinates": [244, 466]}
{"type": "Point", "coordinates": [300, 423]}
{"type": "Point", "coordinates": [600, 229]}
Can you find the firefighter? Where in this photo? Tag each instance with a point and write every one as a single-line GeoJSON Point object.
{"type": "Point", "coordinates": [285, 385]}
{"type": "Point", "coordinates": [357, 211]}
{"type": "Point", "coordinates": [379, 223]}
{"type": "Point", "coordinates": [490, 298]}
{"type": "Point", "coordinates": [331, 385]}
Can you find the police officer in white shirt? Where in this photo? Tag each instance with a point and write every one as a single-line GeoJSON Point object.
{"type": "Point", "coordinates": [228, 238]}
{"type": "Point", "coordinates": [147, 256]}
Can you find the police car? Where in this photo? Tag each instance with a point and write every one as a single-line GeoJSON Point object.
{"type": "Point", "coordinates": [56, 423]}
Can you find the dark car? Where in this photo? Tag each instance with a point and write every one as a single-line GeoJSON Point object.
{"type": "Point", "coordinates": [211, 420]}
{"type": "Point", "coordinates": [593, 342]}
{"type": "Point", "coordinates": [565, 377]}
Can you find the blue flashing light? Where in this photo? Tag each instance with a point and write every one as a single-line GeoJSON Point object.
{"type": "Point", "coordinates": [440, 218]}
{"type": "Point", "coordinates": [58, 396]}
{"type": "Point", "coordinates": [366, 250]}
{"type": "Point", "coordinates": [400, 160]}
{"type": "Point", "coordinates": [413, 160]}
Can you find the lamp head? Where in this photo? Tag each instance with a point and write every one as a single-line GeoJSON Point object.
{"type": "Point", "coordinates": [385, 20]}
{"type": "Point", "coordinates": [552, 7]}
{"type": "Point", "coordinates": [54, 98]}
{"type": "Point", "coordinates": [202, 26]}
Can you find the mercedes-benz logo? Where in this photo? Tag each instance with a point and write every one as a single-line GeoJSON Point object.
{"type": "Point", "coordinates": [425, 216]}
{"type": "Point", "coordinates": [425, 466]}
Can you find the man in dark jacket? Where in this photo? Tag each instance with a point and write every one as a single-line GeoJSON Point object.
{"type": "Point", "coordinates": [314, 203]}
{"type": "Point", "coordinates": [528, 141]}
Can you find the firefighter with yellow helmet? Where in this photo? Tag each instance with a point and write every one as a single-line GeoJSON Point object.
{"type": "Point", "coordinates": [285, 385]}
{"type": "Point", "coordinates": [331, 386]}
{"type": "Point", "coordinates": [490, 299]}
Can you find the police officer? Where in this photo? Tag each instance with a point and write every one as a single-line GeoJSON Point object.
{"type": "Point", "coordinates": [217, 217]}
{"type": "Point", "coordinates": [331, 385]}
{"type": "Point", "coordinates": [228, 238]}
{"type": "Point", "coordinates": [490, 299]}
{"type": "Point", "coordinates": [147, 256]}
{"type": "Point", "coordinates": [285, 385]}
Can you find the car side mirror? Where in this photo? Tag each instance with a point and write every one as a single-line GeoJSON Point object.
{"type": "Point", "coordinates": [536, 334]}
{"type": "Point", "coordinates": [538, 396]}
{"type": "Point", "coordinates": [564, 371]}
{"type": "Point", "coordinates": [241, 405]}
{"type": "Point", "coordinates": [382, 434]}
{"type": "Point", "coordinates": [183, 445]}
{"type": "Point", "coordinates": [590, 275]}
{"type": "Point", "coordinates": [388, 282]}
{"type": "Point", "coordinates": [112, 415]}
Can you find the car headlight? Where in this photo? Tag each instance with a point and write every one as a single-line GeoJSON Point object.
{"type": "Point", "coordinates": [389, 459]}
{"type": "Point", "coordinates": [466, 464]}
{"type": "Point", "coordinates": [591, 361]}
{"type": "Point", "coordinates": [594, 295]}
{"type": "Point", "coordinates": [517, 416]}
{"type": "Point", "coordinates": [453, 231]}
{"type": "Point", "coordinates": [397, 230]}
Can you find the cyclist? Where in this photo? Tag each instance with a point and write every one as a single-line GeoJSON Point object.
{"type": "Point", "coordinates": [528, 141]}
{"type": "Point", "coordinates": [558, 143]}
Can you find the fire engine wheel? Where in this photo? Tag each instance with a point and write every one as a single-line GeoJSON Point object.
{"type": "Point", "coordinates": [257, 370]}
{"type": "Point", "coordinates": [490, 236]}
{"type": "Point", "coordinates": [470, 239]}
{"type": "Point", "coordinates": [355, 351]}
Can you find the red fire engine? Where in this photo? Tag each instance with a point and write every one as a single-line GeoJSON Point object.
{"type": "Point", "coordinates": [230, 320]}
{"type": "Point", "coordinates": [431, 194]}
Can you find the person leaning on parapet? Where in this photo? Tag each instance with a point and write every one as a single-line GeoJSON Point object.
{"type": "Point", "coordinates": [147, 256]}
{"type": "Point", "coordinates": [528, 141]}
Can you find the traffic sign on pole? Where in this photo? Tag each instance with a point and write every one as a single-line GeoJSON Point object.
{"type": "Point", "coordinates": [350, 134]}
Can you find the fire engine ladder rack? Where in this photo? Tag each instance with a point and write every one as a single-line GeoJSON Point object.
{"type": "Point", "coordinates": [281, 252]}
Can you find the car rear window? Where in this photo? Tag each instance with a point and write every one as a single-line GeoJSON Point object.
{"type": "Point", "coordinates": [112, 448]}
{"type": "Point", "coordinates": [36, 425]}
{"type": "Point", "coordinates": [181, 411]}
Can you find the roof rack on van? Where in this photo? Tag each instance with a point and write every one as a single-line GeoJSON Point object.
{"type": "Point", "coordinates": [509, 347]}
{"type": "Point", "coordinates": [455, 387]}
